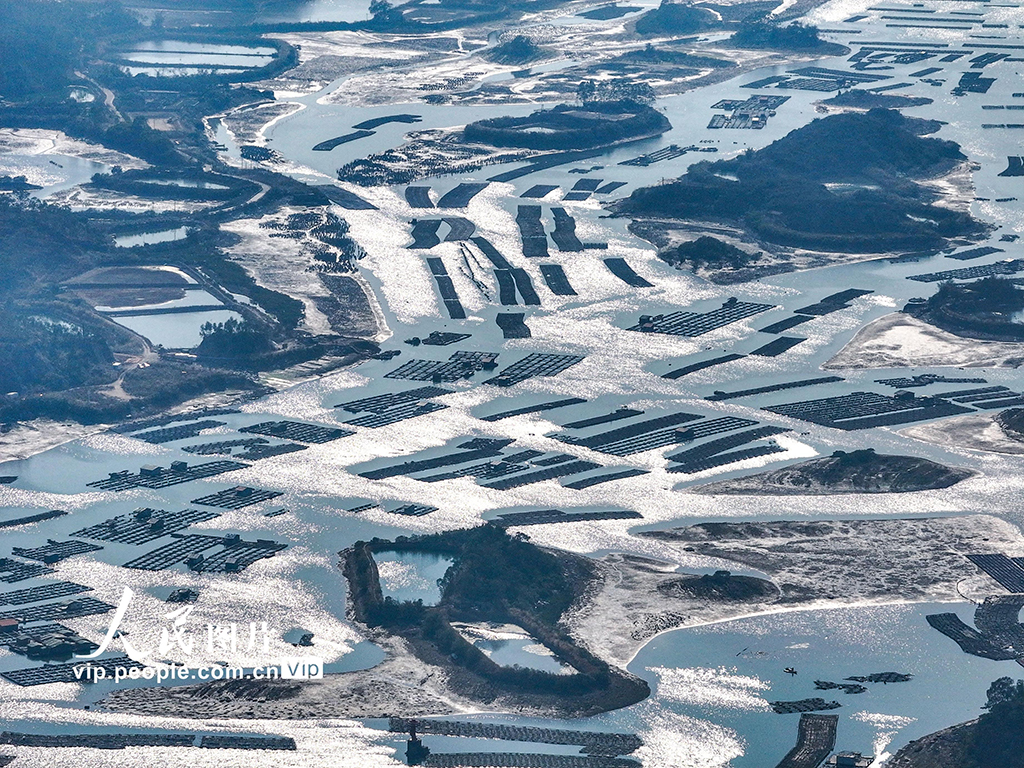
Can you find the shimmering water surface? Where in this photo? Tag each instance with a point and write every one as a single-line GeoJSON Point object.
{"type": "Point", "coordinates": [712, 684]}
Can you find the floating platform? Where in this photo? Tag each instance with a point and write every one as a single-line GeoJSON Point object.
{"type": "Point", "coordinates": [816, 738]}
{"type": "Point", "coordinates": [418, 197]}
{"type": "Point", "coordinates": [556, 280]}
{"type": "Point", "coordinates": [513, 325]}
{"type": "Point", "coordinates": [693, 324]}
{"type": "Point", "coordinates": [863, 410]}
{"type": "Point", "coordinates": [69, 609]}
{"type": "Point", "coordinates": [381, 403]}
{"type": "Point", "coordinates": [724, 459]}
{"type": "Point", "coordinates": [777, 346]}
{"type": "Point", "coordinates": [177, 433]}
{"type": "Point", "coordinates": [446, 288]}
{"type": "Point", "coordinates": [237, 498]}
{"type": "Point", "coordinates": [144, 525]}
{"type": "Point", "coordinates": [621, 269]}
{"type": "Point", "coordinates": [564, 234]}
{"type": "Point", "coordinates": [531, 230]}
{"type": "Point", "coordinates": [548, 473]}
{"type": "Point", "coordinates": [55, 551]}
{"type": "Point", "coordinates": [350, 201]}
{"type": "Point", "coordinates": [593, 742]}
{"type": "Point", "coordinates": [548, 516]}
{"type": "Point", "coordinates": [394, 415]}
{"type": "Point", "coordinates": [592, 480]}
{"type": "Point", "coordinates": [36, 518]}
{"type": "Point", "coordinates": [327, 146]}
{"type": "Point", "coordinates": [159, 477]}
{"type": "Point", "coordinates": [538, 191]}
{"type": "Point", "coordinates": [533, 365]}
{"type": "Point", "coordinates": [670, 152]}
{"type": "Point", "coordinates": [720, 395]}
{"type": "Point", "coordinates": [297, 431]}
{"type": "Point", "coordinates": [549, 406]}
{"type": "Point", "coordinates": [1009, 572]}
{"type": "Point", "coordinates": [231, 554]}
{"type": "Point", "coordinates": [803, 705]}
{"type": "Point", "coordinates": [678, 373]}
{"type": "Point", "coordinates": [461, 365]}
{"type": "Point", "coordinates": [12, 571]}
{"type": "Point", "coordinates": [64, 673]}
{"type": "Point", "coordinates": [460, 196]}
{"type": "Point", "coordinates": [424, 234]}
{"type": "Point", "coordinates": [976, 253]}
{"type": "Point", "coordinates": [43, 592]}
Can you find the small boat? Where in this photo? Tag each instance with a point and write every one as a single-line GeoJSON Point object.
{"type": "Point", "coordinates": [789, 671]}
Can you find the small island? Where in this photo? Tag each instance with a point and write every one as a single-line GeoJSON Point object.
{"type": "Point", "coordinates": [860, 99]}
{"type": "Point", "coordinates": [984, 309]}
{"type": "Point", "coordinates": [862, 471]}
{"type": "Point", "coordinates": [495, 578]}
{"type": "Point", "coordinates": [852, 183]}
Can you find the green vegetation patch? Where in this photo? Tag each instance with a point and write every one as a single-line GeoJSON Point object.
{"type": "Point", "coordinates": [847, 183]}
{"type": "Point", "coordinates": [983, 309]}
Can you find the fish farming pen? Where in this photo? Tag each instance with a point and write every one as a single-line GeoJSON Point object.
{"type": "Point", "coordinates": [69, 609]}
{"type": "Point", "coordinates": [535, 239]}
{"type": "Point", "coordinates": [237, 498]}
{"type": "Point", "coordinates": [144, 525]}
{"type": "Point", "coordinates": [12, 571]}
{"type": "Point", "coordinates": [803, 705]}
{"type": "Point", "coordinates": [1014, 166]}
{"type": "Point", "coordinates": [621, 269]}
{"type": "Point", "coordinates": [637, 429]}
{"type": "Point", "coordinates": [863, 410]}
{"type": "Point", "coordinates": [442, 338]}
{"type": "Point", "coordinates": [786, 323]}
{"type": "Point", "coordinates": [460, 196]}
{"type": "Point", "coordinates": [125, 740]}
{"type": "Point", "coordinates": [924, 380]}
{"type": "Point", "coordinates": [815, 740]}
{"type": "Point", "coordinates": [232, 554]}
{"type": "Point", "coordinates": [418, 197]}
{"type": "Point", "coordinates": [492, 254]}
{"type": "Point", "coordinates": [592, 742]}
{"type": "Point", "coordinates": [540, 407]}
{"type": "Point", "coordinates": [424, 234]}
{"type": "Point", "coordinates": [670, 152]}
{"type": "Point", "coordinates": [694, 324]}
{"type": "Point", "coordinates": [556, 280]}
{"type": "Point", "coordinates": [970, 640]}
{"type": "Point", "coordinates": [1008, 267]}
{"type": "Point", "coordinates": [461, 365]}
{"type": "Point", "coordinates": [411, 510]}
{"type": "Point", "coordinates": [424, 465]}
{"type": "Point", "coordinates": [533, 365]}
{"type": "Point", "coordinates": [975, 253]}
{"type": "Point", "coordinates": [851, 688]}
{"type": "Point", "coordinates": [724, 459]}
{"type": "Point", "coordinates": [522, 760]}
{"type": "Point", "coordinates": [696, 459]}
{"type": "Point", "coordinates": [46, 642]}
{"type": "Point", "coordinates": [381, 403]}
{"type": "Point", "coordinates": [163, 421]}
{"type": "Point", "coordinates": [151, 476]}
{"type": "Point", "coordinates": [512, 325]}
{"type": "Point", "coordinates": [506, 287]}
{"type": "Point", "coordinates": [43, 592]}
{"type": "Point", "coordinates": [298, 431]}
{"type": "Point", "coordinates": [395, 415]}
{"type": "Point", "coordinates": [327, 146]}
{"type": "Point", "coordinates": [833, 303]}
{"type": "Point", "coordinates": [610, 187]}
{"type": "Point", "coordinates": [883, 677]}
{"type": "Point", "coordinates": [998, 619]}
{"type": "Point", "coordinates": [538, 191]}
{"type": "Point", "coordinates": [377, 122]}
{"type": "Point", "coordinates": [66, 673]}
{"type": "Point", "coordinates": [518, 480]}
{"type": "Point", "coordinates": [1008, 572]}
{"type": "Point", "coordinates": [523, 284]}
{"type": "Point", "coordinates": [36, 518]}
{"type": "Point", "coordinates": [55, 551]}
{"type": "Point", "coordinates": [548, 516]}
{"type": "Point", "coordinates": [223, 447]}
{"type": "Point", "coordinates": [446, 288]}
{"type": "Point", "coordinates": [607, 418]}
{"type": "Point", "coordinates": [776, 347]}
{"type": "Point", "coordinates": [459, 229]}
{"type": "Point", "coordinates": [177, 433]}
{"type": "Point", "coordinates": [720, 395]}
{"type": "Point", "coordinates": [257, 452]}
{"type": "Point", "coordinates": [564, 234]}
{"type": "Point", "coordinates": [678, 373]}
{"type": "Point", "coordinates": [599, 479]}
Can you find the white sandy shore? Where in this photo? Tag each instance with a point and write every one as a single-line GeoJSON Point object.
{"type": "Point", "coordinates": [974, 431]}
{"type": "Point", "coordinates": [901, 341]}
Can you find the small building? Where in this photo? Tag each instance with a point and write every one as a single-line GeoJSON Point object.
{"type": "Point", "coordinates": [150, 470]}
{"type": "Point", "coordinates": [8, 626]}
